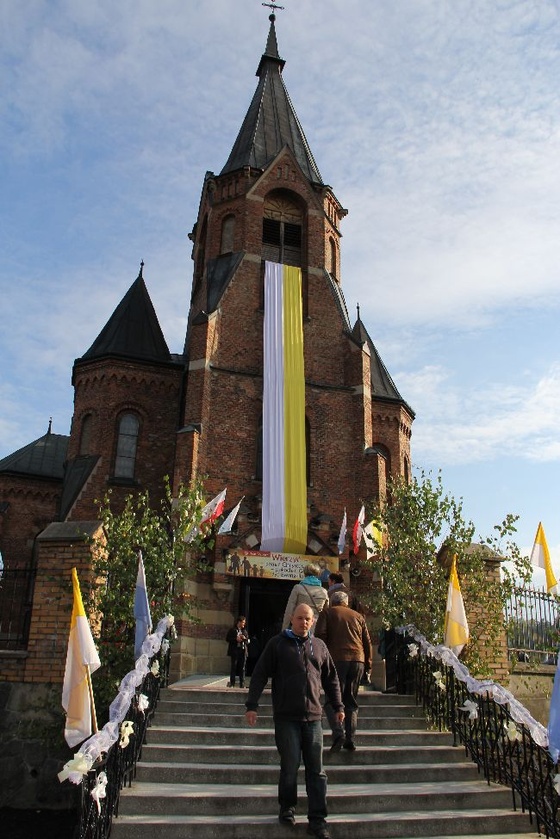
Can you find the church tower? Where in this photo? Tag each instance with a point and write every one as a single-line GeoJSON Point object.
{"type": "Point", "coordinates": [269, 203]}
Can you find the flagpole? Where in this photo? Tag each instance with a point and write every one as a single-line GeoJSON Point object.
{"type": "Point", "coordinates": [92, 700]}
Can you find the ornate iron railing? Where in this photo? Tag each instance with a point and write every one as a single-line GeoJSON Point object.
{"type": "Point", "coordinates": [497, 732]}
{"type": "Point", "coordinates": [16, 603]}
{"type": "Point", "coordinates": [107, 761]}
{"type": "Point", "coordinates": [533, 626]}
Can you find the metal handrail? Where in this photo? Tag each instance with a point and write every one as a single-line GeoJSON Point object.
{"type": "Point", "coordinates": [119, 763]}
{"type": "Point", "coordinates": [503, 748]}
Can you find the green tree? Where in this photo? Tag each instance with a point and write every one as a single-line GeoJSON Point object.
{"type": "Point", "coordinates": [421, 525]}
{"type": "Point", "coordinates": [160, 535]}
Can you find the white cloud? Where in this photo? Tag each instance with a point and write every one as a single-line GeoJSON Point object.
{"type": "Point", "coordinates": [455, 426]}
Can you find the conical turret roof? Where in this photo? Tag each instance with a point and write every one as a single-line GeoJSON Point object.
{"type": "Point", "coordinates": [133, 330]}
{"type": "Point", "coordinates": [271, 122]}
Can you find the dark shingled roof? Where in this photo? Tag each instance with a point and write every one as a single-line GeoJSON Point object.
{"type": "Point", "coordinates": [383, 386]}
{"type": "Point", "coordinates": [271, 122]}
{"type": "Point", "coordinates": [76, 474]}
{"type": "Point", "coordinates": [132, 331]}
{"type": "Point", "coordinates": [44, 458]}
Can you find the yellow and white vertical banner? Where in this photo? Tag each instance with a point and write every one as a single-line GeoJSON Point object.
{"type": "Point", "coordinates": [456, 629]}
{"type": "Point", "coordinates": [82, 660]}
{"type": "Point", "coordinates": [284, 499]}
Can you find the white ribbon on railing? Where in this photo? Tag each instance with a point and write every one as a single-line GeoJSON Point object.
{"type": "Point", "coordinates": [486, 687]}
{"type": "Point", "coordinates": [101, 741]}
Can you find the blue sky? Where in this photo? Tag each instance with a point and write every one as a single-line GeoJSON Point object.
{"type": "Point", "coordinates": [436, 123]}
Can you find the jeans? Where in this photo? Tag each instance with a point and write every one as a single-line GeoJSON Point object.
{"type": "Point", "coordinates": [294, 740]}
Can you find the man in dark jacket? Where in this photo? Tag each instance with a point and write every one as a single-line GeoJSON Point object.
{"type": "Point", "coordinates": [346, 635]}
{"type": "Point", "coordinates": [299, 666]}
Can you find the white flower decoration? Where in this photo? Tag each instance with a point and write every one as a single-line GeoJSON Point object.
{"type": "Point", "coordinates": [438, 676]}
{"type": "Point", "coordinates": [154, 669]}
{"type": "Point", "coordinates": [512, 731]}
{"type": "Point", "coordinates": [413, 650]}
{"type": "Point", "coordinates": [127, 731]}
{"type": "Point", "coordinates": [556, 782]}
{"type": "Point", "coordinates": [99, 791]}
{"type": "Point", "coordinates": [470, 708]}
{"type": "Point", "coordinates": [75, 769]}
{"type": "Point", "coordinates": [143, 703]}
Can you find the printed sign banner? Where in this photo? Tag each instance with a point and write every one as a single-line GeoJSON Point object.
{"type": "Point", "coordinates": [277, 566]}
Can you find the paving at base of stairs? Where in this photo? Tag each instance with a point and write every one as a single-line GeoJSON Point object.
{"type": "Point", "coordinates": [204, 773]}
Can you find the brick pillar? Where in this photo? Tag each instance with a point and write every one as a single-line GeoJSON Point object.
{"type": "Point", "coordinates": [59, 548]}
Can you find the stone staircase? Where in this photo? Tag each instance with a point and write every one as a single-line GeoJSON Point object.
{"type": "Point", "coordinates": [204, 773]}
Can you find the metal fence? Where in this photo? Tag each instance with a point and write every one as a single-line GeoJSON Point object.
{"type": "Point", "coordinates": [16, 603]}
{"type": "Point", "coordinates": [533, 626]}
{"type": "Point", "coordinates": [503, 748]}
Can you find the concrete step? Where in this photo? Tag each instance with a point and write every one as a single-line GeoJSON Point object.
{"type": "Point", "coordinates": [353, 773]}
{"type": "Point", "coordinates": [221, 719]}
{"type": "Point", "coordinates": [243, 735]}
{"type": "Point", "coordinates": [261, 799]}
{"type": "Point", "coordinates": [205, 774]}
{"type": "Point", "coordinates": [396, 825]}
{"type": "Point", "coordinates": [244, 755]}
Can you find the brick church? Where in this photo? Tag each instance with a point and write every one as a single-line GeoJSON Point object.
{"type": "Point", "coordinates": [142, 412]}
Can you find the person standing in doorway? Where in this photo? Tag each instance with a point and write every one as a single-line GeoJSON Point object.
{"type": "Point", "coordinates": [346, 635]}
{"type": "Point", "coordinates": [299, 666]}
{"type": "Point", "coordinates": [310, 590]}
{"type": "Point", "coordinates": [238, 647]}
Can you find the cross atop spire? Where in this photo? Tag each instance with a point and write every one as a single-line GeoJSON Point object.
{"type": "Point", "coordinates": [274, 6]}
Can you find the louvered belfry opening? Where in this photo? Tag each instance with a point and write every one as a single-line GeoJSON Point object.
{"type": "Point", "coordinates": [282, 229]}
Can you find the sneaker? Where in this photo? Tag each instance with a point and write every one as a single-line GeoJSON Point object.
{"type": "Point", "coordinates": [349, 745]}
{"type": "Point", "coordinates": [230, 684]}
{"type": "Point", "coordinates": [338, 740]}
{"type": "Point", "coordinates": [320, 832]}
{"type": "Point", "coordinates": [287, 817]}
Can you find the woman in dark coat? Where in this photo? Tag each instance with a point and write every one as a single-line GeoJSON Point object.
{"type": "Point", "coordinates": [238, 646]}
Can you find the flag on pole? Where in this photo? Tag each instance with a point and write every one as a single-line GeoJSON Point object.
{"type": "Point", "coordinates": [141, 608]}
{"type": "Point", "coordinates": [373, 538]}
{"type": "Point", "coordinates": [456, 630]}
{"type": "Point", "coordinates": [342, 534]}
{"type": "Point", "coordinates": [209, 513]}
{"type": "Point", "coordinates": [554, 717]}
{"type": "Point", "coordinates": [284, 479]}
{"type": "Point", "coordinates": [227, 523]}
{"type": "Point", "coordinates": [540, 557]}
{"type": "Point", "coordinates": [82, 659]}
{"type": "Point", "coordinates": [358, 530]}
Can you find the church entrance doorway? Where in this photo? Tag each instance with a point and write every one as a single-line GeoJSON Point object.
{"type": "Point", "coordinates": [263, 603]}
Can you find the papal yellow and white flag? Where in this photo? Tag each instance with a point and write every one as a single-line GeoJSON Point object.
{"type": "Point", "coordinates": [540, 557]}
{"type": "Point", "coordinates": [456, 632]}
{"type": "Point", "coordinates": [373, 538]}
{"type": "Point", "coordinates": [284, 489]}
{"type": "Point", "coordinates": [82, 659]}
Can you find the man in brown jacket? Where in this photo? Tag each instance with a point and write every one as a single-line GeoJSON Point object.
{"type": "Point", "coordinates": [346, 635]}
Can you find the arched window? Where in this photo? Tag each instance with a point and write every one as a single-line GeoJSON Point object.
{"type": "Point", "coordinates": [201, 252]}
{"type": "Point", "coordinates": [127, 443]}
{"type": "Point", "coordinates": [228, 231]}
{"type": "Point", "coordinates": [406, 469]}
{"type": "Point", "coordinates": [332, 258]}
{"type": "Point", "coordinates": [282, 229]}
{"type": "Point", "coordinates": [85, 435]}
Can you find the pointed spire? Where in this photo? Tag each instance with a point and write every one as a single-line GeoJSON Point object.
{"type": "Point", "coordinates": [141, 269]}
{"type": "Point", "coordinates": [271, 122]}
{"type": "Point", "coordinates": [49, 429]}
{"type": "Point", "coordinates": [358, 310]}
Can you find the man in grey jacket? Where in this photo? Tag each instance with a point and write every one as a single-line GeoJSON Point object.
{"type": "Point", "coordinates": [299, 666]}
